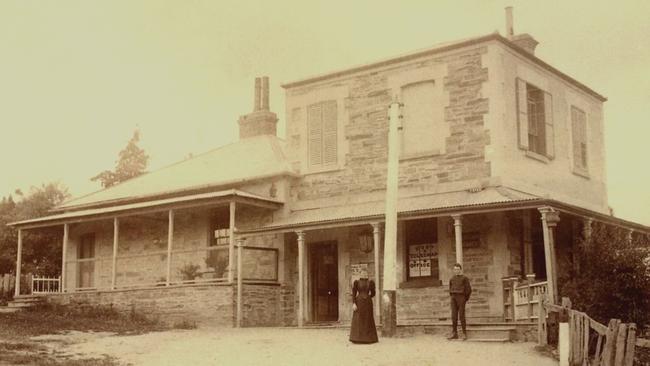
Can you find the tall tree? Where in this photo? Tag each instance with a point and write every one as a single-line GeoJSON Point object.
{"type": "Point", "coordinates": [132, 162]}
{"type": "Point", "coordinates": [41, 247]}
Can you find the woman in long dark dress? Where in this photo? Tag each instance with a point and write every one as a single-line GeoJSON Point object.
{"type": "Point", "coordinates": [363, 328]}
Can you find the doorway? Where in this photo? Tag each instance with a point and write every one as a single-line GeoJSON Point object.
{"type": "Point", "coordinates": [323, 260]}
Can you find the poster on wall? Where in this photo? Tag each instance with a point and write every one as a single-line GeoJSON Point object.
{"type": "Point", "coordinates": [357, 270]}
{"type": "Point", "coordinates": [420, 257]}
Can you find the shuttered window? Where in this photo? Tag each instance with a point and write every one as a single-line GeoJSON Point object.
{"type": "Point", "coordinates": [322, 125]}
{"type": "Point", "coordinates": [579, 134]}
{"type": "Point", "coordinates": [535, 119]}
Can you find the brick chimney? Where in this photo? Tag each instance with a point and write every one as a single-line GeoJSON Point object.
{"type": "Point", "coordinates": [261, 121]}
{"type": "Point", "coordinates": [524, 40]}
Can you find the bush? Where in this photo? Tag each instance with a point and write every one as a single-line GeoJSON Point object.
{"type": "Point", "coordinates": [611, 278]}
{"type": "Point", "coordinates": [190, 272]}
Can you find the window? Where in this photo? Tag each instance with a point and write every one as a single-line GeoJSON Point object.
{"type": "Point", "coordinates": [579, 133]}
{"type": "Point", "coordinates": [535, 120]}
{"type": "Point", "coordinates": [220, 230]}
{"type": "Point", "coordinates": [423, 123]}
{"type": "Point", "coordinates": [322, 134]}
{"type": "Point", "coordinates": [86, 247]}
{"type": "Point", "coordinates": [421, 242]}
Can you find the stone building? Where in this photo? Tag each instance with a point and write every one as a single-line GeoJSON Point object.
{"type": "Point", "coordinates": [501, 168]}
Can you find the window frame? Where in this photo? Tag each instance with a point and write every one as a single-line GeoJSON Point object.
{"type": "Point", "coordinates": [327, 132]}
{"type": "Point", "coordinates": [409, 242]}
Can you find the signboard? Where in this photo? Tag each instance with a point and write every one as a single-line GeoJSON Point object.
{"type": "Point", "coordinates": [420, 259]}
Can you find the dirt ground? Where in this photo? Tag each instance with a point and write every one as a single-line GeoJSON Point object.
{"type": "Point", "coordinates": [286, 346]}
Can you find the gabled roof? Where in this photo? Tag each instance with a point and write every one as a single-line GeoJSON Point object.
{"type": "Point", "coordinates": [248, 159]}
{"type": "Point", "coordinates": [444, 47]}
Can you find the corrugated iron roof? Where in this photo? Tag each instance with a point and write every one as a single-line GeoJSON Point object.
{"type": "Point", "coordinates": [248, 159]}
{"type": "Point", "coordinates": [120, 209]}
{"type": "Point", "coordinates": [412, 204]}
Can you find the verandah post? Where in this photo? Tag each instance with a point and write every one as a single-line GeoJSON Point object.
{"type": "Point", "coordinates": [458, 231]}
{"type": "Point", "coordinates": [376, 243]}
{"type": "Point", "coordinates": [116, 234]}
{"type": "Point", "coordinates": [66, 229]}
{"type": "Point", "coordinates": [19, 262]}
{"type": "Point", "coordinates": [240, 280]}
{"type": "Point", "coordinates": [301, 273]}
{"type": "Point", "coordinates": [170, 241]}
{"type": "Point", "coordinates": [231, 242]}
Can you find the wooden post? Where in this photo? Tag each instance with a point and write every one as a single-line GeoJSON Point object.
{"type": "Point", "coordinates": [170, 243]}
{"type": "Point", "coordinates": [564, 344]}
{"type": "Point", "coordinates": [389, 288]}
{"type": "Point", "coordinates": [610, 342]}
{"type": "Point", "coordinates": [66, 234]}
{"type": "Point", "coordinates": [620, 344]}
{"type": "Point", "coordinates": [599, 347]}
{"type": "Point", "coordinates": [240, 280]}
{"type": "Point", "coordinates": [301, 274]}
{"type": "Point", "coordinates": [458, 230]}
{"type": "Point", "coordinates": [528, 243]}
{"type": "Point", "coordinates": [549, 220]}
{"type": "Point", "coordinates": [631, 344]}
{"type": "Point", "coordinates": [376, 246]}
{"type": "Point", "coordinates": [116, 234]}
{"type": "Point", "coordinates": [231, 246]}
{"type": "Point", "coordinates": [19, 262]}
{"type": "Point", "coordinates": [585, 342]}
{"type": "Point", "coordinates": [542, 338]}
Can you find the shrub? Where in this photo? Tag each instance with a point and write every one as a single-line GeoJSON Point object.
{"type": "Point", "coordinates": [611, 278]}
{"type": "Point", "coordinates": [190, 271]}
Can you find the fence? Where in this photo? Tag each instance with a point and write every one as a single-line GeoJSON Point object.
{"type": "Point", "coordinates": [590, 342]}
{"type": "Point", "coordinates": [8, 285]}
{"type": "Point", "coordinates": [521, 300]}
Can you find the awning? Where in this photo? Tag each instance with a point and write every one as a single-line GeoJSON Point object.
{"type": "Point", "coordinates": [412, 205]}
{"type": "Point", "coordinates": [151, 206]}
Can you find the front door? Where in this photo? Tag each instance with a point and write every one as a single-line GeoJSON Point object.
{"type": "Point", "coordinates": [324, 281]}
{"type": "Point", "coordinates": [86, 260]}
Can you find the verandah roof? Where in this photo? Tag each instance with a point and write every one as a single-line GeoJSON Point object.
{"type": "Point", "coordinates": [148, 206]}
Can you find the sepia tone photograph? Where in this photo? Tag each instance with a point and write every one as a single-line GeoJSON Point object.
{"type": "Point", "coordinates": [437, 182]}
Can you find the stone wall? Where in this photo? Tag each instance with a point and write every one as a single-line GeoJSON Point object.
{"type": "Point", "coordinates": [363, 126]}
{"type": "Point", "coordinates": [204, 304]}
{"type": "Point", "coordinates": [261, 305]}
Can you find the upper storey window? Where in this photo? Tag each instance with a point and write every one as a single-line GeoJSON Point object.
{"type": "Point", "coordinates": [423, 123]}
{"type": "Point", "coordinates": [535, 120]}
{"type": "Point", "coordinates": [579, 134]}
{"type": "Point", "coordinates": [322, 133]}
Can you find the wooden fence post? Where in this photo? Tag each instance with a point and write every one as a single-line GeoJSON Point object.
{"type": "Point", "coordinates": [631, 344]}
{"type": "Point", "coordinates": [585, 341]}
{"type": "Point", "coordinates": [542, 338]}
{"type": "Point", "coordinates": [620, 344]}
{"type": "Point", "coordinates": [610, 342]}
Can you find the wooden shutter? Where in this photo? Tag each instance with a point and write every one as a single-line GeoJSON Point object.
{"type": "Point", "coordinates": [522, 114]}
{"type": "Point", "coordinates": [329, 133]}
{"type": "Point", "coordinates": [314, 117]}
{"type": "Point", "coordinates": [549, 133]}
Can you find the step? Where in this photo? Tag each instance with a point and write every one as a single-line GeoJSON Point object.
{"type": "Point", "coordinates": [492, 340]}
{"type": "Point", "coordinates": [28, 299]}
{"type": "Point", "coordinates": [7, 309]}
{"type": "Point", "coordinates": [497, 333]}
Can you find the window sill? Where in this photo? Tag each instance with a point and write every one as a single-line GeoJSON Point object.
{"type": "Point", "coordinates": [419, 155]}
{"type": "Point", "coordinates": [581, 173]}
{"type": "Point", "coordinates": [420, 283]}
{"type": "Point", "coordinates": [538, 157]}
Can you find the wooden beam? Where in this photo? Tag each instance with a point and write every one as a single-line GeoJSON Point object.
{"type": "Point", "coordinates": [620, 344]}
{"type": "Point", "coordinates": [231, 245]}
{"type": "Point", "coordinates": [631, 343]}
{"type": "Point", "coordinates": [19, 262]}
{"type": "Point", "coordinates": [170, 243]}
{"type": "Point", "coordinates": [301, 274]}
{"type": "Point", "coordinates": [116, 234]}
{"type": "Point", "coordinates": [64, 255]}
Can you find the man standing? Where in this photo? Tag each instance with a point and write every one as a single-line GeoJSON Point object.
{"type": "Point", "coordinates": [459, 291]}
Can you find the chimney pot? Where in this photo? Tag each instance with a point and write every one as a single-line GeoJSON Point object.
{"type": "Point", "coordinates": [265, 93]}
{"type": "Point", "coordinates": [256, 106]}
{"type": "Point", "coordinates": [510, 30]}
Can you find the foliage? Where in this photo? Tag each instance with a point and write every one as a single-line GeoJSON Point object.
{"type": "Point", "coordinates": [41, 247]}
{"type": "Point", "coordinates": [612, 277]}
{"type": "Point", "coordinates": [131, 163]}
{"type": "Point", "coordinates": [190, 271]}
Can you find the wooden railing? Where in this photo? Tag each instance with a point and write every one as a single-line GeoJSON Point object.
{"type": "Point", "coordinates": [45, 285]}
{"type": "Point", "coordinates": [589, 342]}
{"type": "Point", "coordinates": [521, 300]}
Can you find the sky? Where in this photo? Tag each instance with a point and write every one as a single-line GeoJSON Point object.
{"type": "Point", "coordinates": [78, 77]}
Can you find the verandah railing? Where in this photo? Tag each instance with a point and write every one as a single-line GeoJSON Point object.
{"type": "Point", "coordinates": [45, 285]}
{"type": "Point", "coordinates": [521, 300]}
